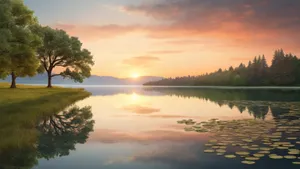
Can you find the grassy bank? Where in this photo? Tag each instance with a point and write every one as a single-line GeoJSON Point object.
{"type": "Point", "coordinates": [24, 105]}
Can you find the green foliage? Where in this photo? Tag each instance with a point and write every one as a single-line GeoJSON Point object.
{"type": "Point", "coordinates": [284, 71]}
{"type": "Point", "coordinates": [18, 41]}
{"type": "Point", "coordinates": [284, 68]}
{"type": "Point", "coordinates": [5, 22]}
{"type": "Point", "coordinates": [61, 50]}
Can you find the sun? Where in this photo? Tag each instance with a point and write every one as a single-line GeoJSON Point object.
{"type": "Point", "coordinates": [135, 75]}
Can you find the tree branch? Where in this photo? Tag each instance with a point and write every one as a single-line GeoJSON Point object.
{"type": "Point", "coordinates": [55, 75]}
{"type": "Point", "coordinates": [45, 65]}
{"type": "Point", "coordinates": [58, 62]}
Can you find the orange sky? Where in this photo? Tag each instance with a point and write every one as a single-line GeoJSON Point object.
{"type": "Point", "coordinates": [174, 37]}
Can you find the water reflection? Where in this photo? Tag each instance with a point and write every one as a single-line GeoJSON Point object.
{"type": "Point", "coordinates": [142, 125]}
{"type": "Point", "coordinates": [21, 146]}
{"type": "Point", "coordinates": [135, 128]}
{"type": "Point", "coordinates": [258, 103]}
{"type": "Point", "coordinates": [61, 132]}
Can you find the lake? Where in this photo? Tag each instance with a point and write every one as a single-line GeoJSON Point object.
{"type": "Point", "coordinates": [165, 128]}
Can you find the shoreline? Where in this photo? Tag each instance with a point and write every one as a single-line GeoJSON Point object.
{"type": "Point", "coordinates": [74, 86]}
{"type": "Point", "coordinates": [146, 86]}
{"type": "Point", "coordinates": [28, 103]}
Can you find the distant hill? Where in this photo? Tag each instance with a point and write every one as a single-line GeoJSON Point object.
{"type": "Point", "coordinates": [93, 80]}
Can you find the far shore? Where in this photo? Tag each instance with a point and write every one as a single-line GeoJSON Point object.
{"type": "Point", "coordinates": [198, 87]}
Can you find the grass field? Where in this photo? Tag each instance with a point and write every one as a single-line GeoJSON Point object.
{"type": "Point", "coordinates": [23, 106]}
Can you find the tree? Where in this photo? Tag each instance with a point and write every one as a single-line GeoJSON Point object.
{"type": "Point", "coordinates": [18, 56]}
{"type": "Point", "coordinates": [61, 51]}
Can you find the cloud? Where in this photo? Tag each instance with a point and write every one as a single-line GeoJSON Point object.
{"type": "Point", "coordinates": [141, 61]}
{"type": "Point", "coordinates": [140, 109]}
{"type": "Point", "coordinates": [185, 42]}
{"type": "Point", "coordinates": [253, 22]}
{"type": "Point", "coordinates": [165, 52]}
{"type": "Point", "coordinates": [169, 116]}
{"type": "Point", "coordinates": [114, 136]}
{"type": "Point", "coordinates": [96, 32]}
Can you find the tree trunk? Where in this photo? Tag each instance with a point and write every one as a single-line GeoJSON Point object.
{"type": "Point", "coordinates": [49, 80]}
{"type": "Point", "coordinates": [13, 80]}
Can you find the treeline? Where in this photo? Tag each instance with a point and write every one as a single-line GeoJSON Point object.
{"type": "Point", "coordinates": [284, 71]}
{"type": "Point", "coordinates": [27, 48]}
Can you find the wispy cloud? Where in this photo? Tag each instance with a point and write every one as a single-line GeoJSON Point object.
{"type": "Point", "coordinates": [165, 52]}
{"type": "Point", "coordinates": [162, 116]}
{"type": "Point", "coordinates": [96, 32]}
{"type": "Point", "coordinates": [250, 23]}
{"type": "Point", "coordinates": [141, 61]}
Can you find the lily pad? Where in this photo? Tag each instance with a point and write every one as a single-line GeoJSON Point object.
{"type": "Point", "coordinates": [251, 158]}
{"type": "Point", "coordinates": [248, 162]}
{"type": "Point", "coordinates": [258, 155]}
{"type": "Point", "coordinates": [275, 156]}
{"type": "Point", "coordinates": [290, 157]}
{"type": "Point", "coordinates": [221, 151]}
{"type": "Point", "coordinates": [209, 151]}
{"type": "Point", "coordinates": [230, 156]}
{"type": "Point", "coordinates": [242, 153]}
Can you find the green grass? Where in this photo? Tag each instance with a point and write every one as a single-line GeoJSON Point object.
{"type": "Point", "coordinates": [24, 106]}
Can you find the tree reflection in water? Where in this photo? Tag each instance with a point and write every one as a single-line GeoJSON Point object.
{"type": "Point", "coordinates": [257, 102]}
{"type": "Point", "coordinates": [54, 136]}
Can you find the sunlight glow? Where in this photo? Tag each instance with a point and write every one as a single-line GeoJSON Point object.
{"type": "Point", "coordinates": [135, 75]}
{"type": "Point", "coordinates": [134, 97]}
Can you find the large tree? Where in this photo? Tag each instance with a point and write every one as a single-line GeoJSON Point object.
{"type": "Point", "coordinates": [64, 55]}
{"type": "Point", "coordinates": [18, 41]}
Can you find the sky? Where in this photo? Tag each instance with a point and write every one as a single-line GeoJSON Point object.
{"type": "Point", "coordinates": [172, 38]}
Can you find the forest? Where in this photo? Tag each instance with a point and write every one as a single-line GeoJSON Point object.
{"type": "Point", "coordinates": [283, 71]}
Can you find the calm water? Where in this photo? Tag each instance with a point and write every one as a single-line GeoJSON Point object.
{"type": "Point", "coordinates": [136, 128]}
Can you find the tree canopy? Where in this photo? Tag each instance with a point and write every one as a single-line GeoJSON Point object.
{"type": "Point", "coordinates": [284, 71]}
{"type": "Point", "coordinates": [64, 55]}
{"type": "Point", "coordinates": [18, 41]}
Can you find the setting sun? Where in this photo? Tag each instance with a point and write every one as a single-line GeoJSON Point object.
{"type": "Point", "coordinates": [135, 75]}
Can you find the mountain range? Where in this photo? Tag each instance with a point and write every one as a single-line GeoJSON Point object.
{"type": "Point", "coordinates": [93, 80]}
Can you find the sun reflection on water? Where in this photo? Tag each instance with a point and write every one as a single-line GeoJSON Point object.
{"type": "Point", "coordinates": [135, 97]}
